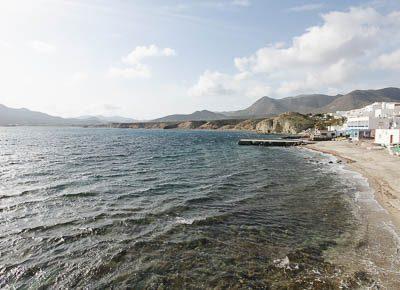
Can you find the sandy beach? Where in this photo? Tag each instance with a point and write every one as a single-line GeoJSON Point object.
{"type": "Point", "coordinates": [380, 168]}
{"type": "Point", "coordinates": [378, 246]}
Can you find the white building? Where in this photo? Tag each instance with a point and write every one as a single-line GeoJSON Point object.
{"type": "Point", "coordinates": [337, 127]}
{"type": "Point", "coordinates": [378, 110]}
{"type": "Point", "coordinates": [380, 115]}
{"type": "Point", "coordinates": [367, 122]}
{"type": "Point", "coordinates": [387, 110]}
{"type": "Point", "coordinates": [387, 137]}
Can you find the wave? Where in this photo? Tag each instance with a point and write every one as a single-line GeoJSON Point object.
{"type": "Point", "coordinates": [48, 227]}
{"type": "Point", "coordinates": [12, 207]}
{"type": "Point", "coordinates": [79, 194]}
{"type": "Point", "coordinates": [21, 193]}
{"type": "Point", "coordinates": [202, 207]}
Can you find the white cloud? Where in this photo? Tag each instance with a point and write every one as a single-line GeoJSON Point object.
{"type": "Point", "coordinates": [389, 61]}
{"type": "Point", "coordinates": [243, 3]}
{"type": "Point", "coordinates": [137, 69]}
{"type": "Point", "coordinates": [257, 91]}
{"type": "Point", "coordinates": [344, 49]}
{"type": "Point", "coordinates": [142, 52]}
{"type": "Point", "coordinates": [333, 75]}
{"type": "Point", "coordinates": [344, 35]}
{"type": "Point", "coordinates": [214, 83]}
{"type": "Point", "coordinates": [307, 7]}
{"type": "Point", "coordinates": [42, 47]}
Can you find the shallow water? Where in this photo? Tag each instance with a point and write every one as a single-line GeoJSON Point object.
{"type": "Point", "coordinates": [173, 209]}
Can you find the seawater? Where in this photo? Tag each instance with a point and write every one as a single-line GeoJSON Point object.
{"type": "Point", "coordinates": [123, 208]}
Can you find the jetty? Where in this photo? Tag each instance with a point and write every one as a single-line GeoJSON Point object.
{"type": "Point", "coordinates": [273, 142]}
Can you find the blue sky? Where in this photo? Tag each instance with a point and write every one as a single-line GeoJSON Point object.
{"type": "Point", "coordinates": [145, 59]}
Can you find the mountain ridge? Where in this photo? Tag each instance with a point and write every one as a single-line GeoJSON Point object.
{"type": "Point", "coordinates": [22, 116]}
{"type": "Point", "coordinates": [203, 115]}
{"type": "Point", "coordinates": [108, 119]}
{"type": "Point", "coordinates": [263, 107]}
{"type": "Point", "coordinates": [318, 103]}
{"type": "Point", "coordinates": [304, 104]}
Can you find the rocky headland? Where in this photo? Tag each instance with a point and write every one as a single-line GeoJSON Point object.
{"type": "Point", "coordinates": [286, 123]}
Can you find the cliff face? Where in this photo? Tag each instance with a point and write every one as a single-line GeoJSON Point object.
{"type": "Point", "coordinates": [190, 124]}
{"type": "Point", "coordinates": [247, 125]}
{"type": "Point", "coordinates": [288, 123]}
{"type": "Point", "coordinates": [219, 125]}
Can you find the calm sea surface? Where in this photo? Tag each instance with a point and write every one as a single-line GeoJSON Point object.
{"type": "Point", "coordinates": [168, 209]}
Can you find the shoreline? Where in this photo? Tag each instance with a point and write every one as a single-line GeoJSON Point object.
{"type": "Point", "coordinates": [356, 157]}
{"type": "Point", "coordinates": [376, 243]}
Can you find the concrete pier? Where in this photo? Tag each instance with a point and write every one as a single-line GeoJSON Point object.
{"type": "Point", "coordinates": [272, 142]}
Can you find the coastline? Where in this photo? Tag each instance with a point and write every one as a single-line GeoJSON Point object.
{"type": "Point", "coordinates": [376, 243]}
{"type": "Point", "coordinates": [380, 169]}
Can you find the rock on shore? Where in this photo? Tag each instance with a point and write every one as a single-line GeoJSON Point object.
{"type": "Point", "coordinates": [289, 123]}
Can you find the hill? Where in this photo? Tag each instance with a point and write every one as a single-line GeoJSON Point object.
{"type": "Point", "coordinates": [11, 116]}
{"type": "Point", "coordinates": [196, 116]}
{"type": "Point", "coordinates": [317, 103]}
{"type": "Point", "coordinates": [287, 123]}
{"type": "Point", "coordinates": [361, 98]}
{"type": "Point", "coordinates": [304, 104]}
{"type": "Point", "coordinates": [262, 108]}
{"type": "Point", "coordinates": [107, 119]}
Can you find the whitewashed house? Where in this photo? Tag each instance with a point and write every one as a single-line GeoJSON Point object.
{"type": "Point", "coordinates": [340, 130]}
{"type": "Point", "coordinates": [377, 110]}
{"type": "Point", "coordinates": [374, 116]}
{"type": "Point", "coordinates": [363, 123]}
{"type": "Point", "coordinates": [387, 137]}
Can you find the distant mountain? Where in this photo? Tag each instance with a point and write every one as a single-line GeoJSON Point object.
{"type": "Point", "coordinates": [316, 103]}
{"type": "Point", "coordinates": [361, 98]}
{"type": "Point", "coordinates": [268, 107]}
{"type": "Point", "coordinates": [108, 119]}
{"type": "Point", "coordinates": [11, 116]}
{"type": "Point", "coordinates": [313, 103]}
{"type": "Point", "coordinates": [196, 116]}
{"type": "Point", "coordinates": [303, 104]}
{"type": "Point", "coordinates": [264, 107]}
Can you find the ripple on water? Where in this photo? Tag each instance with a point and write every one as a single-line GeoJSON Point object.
{"type": "Point", "coordinates": [130, 208]}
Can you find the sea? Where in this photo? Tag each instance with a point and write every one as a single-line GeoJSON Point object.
{"type": "Point", "coordinates": [99, 208]}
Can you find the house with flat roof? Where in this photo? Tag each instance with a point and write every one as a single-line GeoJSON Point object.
{"type": "Point", "coordinates": [387, 137]}
{"type": "Point", "coordinates": [363, 123]}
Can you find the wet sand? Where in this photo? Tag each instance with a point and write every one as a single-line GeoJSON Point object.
{"type": "Point", "coordinates": [380, 168]}
{"type": "Point", "coordinates": [377, 246]}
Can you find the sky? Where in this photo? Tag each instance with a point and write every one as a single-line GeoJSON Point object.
{"type": "Point", "coordinates": [146, 59]}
